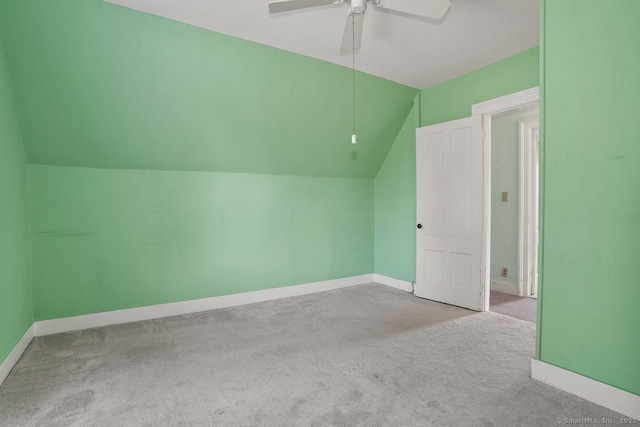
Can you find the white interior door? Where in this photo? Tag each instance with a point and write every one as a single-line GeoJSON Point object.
{"type": "Point", "coordinates": [449, 201]}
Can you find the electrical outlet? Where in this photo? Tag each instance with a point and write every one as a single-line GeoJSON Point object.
{"type": "Point", "coordinates": [505, 272]}
{"type": "Point", "coordinates": [505, 196]}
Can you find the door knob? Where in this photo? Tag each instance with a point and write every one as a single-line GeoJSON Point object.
{"type": "Point", "coordinates": [419, 225]}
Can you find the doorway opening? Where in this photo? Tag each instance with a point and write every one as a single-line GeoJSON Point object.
{"type": "Point", "coordinates": [510, 128]}
{"type": "Point", "coordinates": [514, 202]}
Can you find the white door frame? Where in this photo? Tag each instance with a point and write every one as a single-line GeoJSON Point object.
{"type": "Point", "coordinates": [527, 213]}
{"type": "Point", "coordinates": [481, 134]}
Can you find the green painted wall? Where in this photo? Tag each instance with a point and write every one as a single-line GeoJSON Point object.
{"type": "Point", "coordinates": [104, 86]}
{"type": "Point", "coordinates": [16, 313]}
{"type": "Point", "coordinates": [453, 99]}
{"type": "Point", "coordinates": [590, 277]}
{"type": "Point", "coordinates": [105, 93]}
{"type": "Point", "coordinates": [395, 183]}
{"type": "Point", "coordinates": [505, 163]}
{"type": "Point", "coordinates": [111, 239]}
{"type": "Point", "coordinates": [395, 204]}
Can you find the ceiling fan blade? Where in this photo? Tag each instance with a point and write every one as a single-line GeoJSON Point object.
{"type": "Point", "coordinates": [287, 5]}
{"type": "Point", "coordinates": [352, 28]}
{"type": "Point", "coordinates": [434, 9]}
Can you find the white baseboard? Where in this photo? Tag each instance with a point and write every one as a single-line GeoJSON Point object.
{"type": "Point", "coordinates": [403, 285]}
{"type": "Point", "coordinates": [621, 401]}
{"type": "Point", "coordinates": [95, 320]}
{"type": "Point", "coordinates": [12, 358]}
{"type": "Point", "coordinates": [506, 288]}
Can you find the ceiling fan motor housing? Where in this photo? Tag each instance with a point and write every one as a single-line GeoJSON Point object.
{"type": "Point", "coordinates": [358, 6]}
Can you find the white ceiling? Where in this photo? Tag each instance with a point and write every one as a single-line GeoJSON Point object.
{"type": "Point", "coordinates": [414, 52]}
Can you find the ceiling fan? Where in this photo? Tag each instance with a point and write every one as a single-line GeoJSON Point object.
{"type": "Point", "coordinates": [352, 37]}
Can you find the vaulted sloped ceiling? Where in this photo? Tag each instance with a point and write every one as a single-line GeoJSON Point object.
{"type": "Point", "coordinates": [103, 86]}
{"type": "Point", "coordinates": [418, 52]}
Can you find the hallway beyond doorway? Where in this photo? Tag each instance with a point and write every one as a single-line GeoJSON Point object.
{"type": "Point", "coordinates": [523, 308]}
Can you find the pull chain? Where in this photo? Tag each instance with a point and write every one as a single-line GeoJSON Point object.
{"type": "Point", "coordinates": [354, 137]}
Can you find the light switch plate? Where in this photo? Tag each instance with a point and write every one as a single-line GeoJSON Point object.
{"type": "Point", "coordinates": [505, 196]}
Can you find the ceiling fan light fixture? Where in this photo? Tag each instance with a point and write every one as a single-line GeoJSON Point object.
{"type": "Point", "coordinates": [358, 6]}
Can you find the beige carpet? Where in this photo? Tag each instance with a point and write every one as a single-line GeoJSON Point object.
{"type": "Point", "coordinates": [367, 355]}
